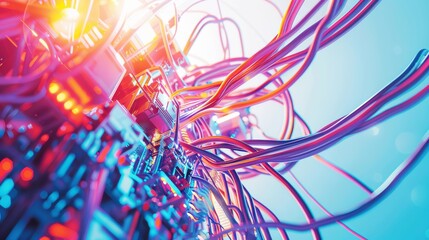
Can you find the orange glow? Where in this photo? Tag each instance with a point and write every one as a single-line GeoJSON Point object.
{"type": "Point", "coordinates": [158, 222]}
{"type": "Point", "coordinates": [66, 25]}
{"type": "Point", "coordinates": [54, 87]}
{"type": "Point", "coordinates": [58, 230]}
{"type": "Point", "coordinates": [61, 97]}
{"type": "Point", "coordinates": [77, 89]}
{"type": "Point", "coordinates": [69, 104]}
{"type": "Point", "coordinates": [44, 238]}
{"type": "Point", "coordinates": [76, 110]}
{"type": "Point", "coordinates": [44, 138]}
{"type": "Point", "coordinates": [27, 174]}
{"type": "Point", "coordinates": [122, 160]}
{"type": "Point", "coordinates": [6, 165]}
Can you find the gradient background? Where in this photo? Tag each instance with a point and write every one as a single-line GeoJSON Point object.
{"type": "Point", "coordinates": [342, 77]}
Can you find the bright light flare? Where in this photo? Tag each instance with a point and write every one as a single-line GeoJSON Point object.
{"type": "Point", "coordinates": [65, 26]}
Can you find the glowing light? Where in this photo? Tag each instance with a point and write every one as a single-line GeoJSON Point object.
{"type": "Point", "coordinates": [53, 88]}
{"type": "Point", "coordinates": [122, 160]}
{"type": "Point", "coordinates": [158, 222]}
{"type": "Point", "coordinates": [6, 186]}
{"type": "Point", "coordinates": [5, 201]}
{"type": "Point", "coordinates": [77, 89]}
{"type": "Point", "coordinates": [70, 14]}
{"type": "Point", "coordinates": [58, 230]}
{"type": "Point", "coordinates": [27, 174]}
{"type": "Point", "coordinates": [61, 97]}
{"type": "Point", "coordinates": [6, 165]}
{"type": "Point", "coordinates": [66, 25]}
{"type": "Point", "coordinates": [44, 44]}
{"type": "Point", "coordinates": [34, 33]}
{"type": "Point", "coordinates": [228, 117]}
{"type": "Point", "coordinates": [76, 110]}
{"type": "Point", "coordinates": [146, 206]}
{"type": "Point", "coordinates": [44, 138]}
{"type": "Point", "coordinates": [69, 104]}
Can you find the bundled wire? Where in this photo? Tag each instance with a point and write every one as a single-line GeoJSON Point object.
{"type": "Point", "coordinates": [219, 88]}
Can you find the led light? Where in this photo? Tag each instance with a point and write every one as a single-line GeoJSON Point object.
{"type": "Point", "coordinates": [76, 110]}
{"type": "Point", "coordinates": [69, 104]}
{"type": "Point", "coordinates": [61, 97]}
{"type": "Point", "coordinates": [54, 87]}
{"type": "Point", "coordinates": [27, 174]}
{"type": "Point", "coordinates": [6, 165]}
